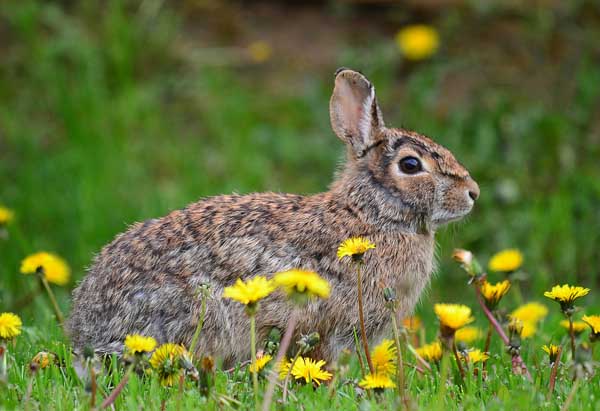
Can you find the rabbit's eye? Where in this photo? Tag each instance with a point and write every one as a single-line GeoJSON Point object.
{"type": "Point", "coordinates": [410, 165]}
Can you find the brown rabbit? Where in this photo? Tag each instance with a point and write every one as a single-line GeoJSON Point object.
{"type": "Point", "coordinates": [396, 188]}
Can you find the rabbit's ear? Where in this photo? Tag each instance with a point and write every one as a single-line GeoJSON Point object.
{"type": "Point", "coordinates": [355, 115]}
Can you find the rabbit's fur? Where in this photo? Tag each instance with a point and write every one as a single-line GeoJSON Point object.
{"type": "Point", "coordinates": [146, 281]}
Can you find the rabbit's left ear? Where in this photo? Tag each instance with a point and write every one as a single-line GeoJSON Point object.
{"type": "Point", "coordinates": [355, 115]}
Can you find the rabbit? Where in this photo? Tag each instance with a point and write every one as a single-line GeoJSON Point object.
{"type": "Point", "coordinates": [395, 189]}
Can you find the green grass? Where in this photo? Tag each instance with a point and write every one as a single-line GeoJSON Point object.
{"type": "Point", "coordinates": [108, 116]}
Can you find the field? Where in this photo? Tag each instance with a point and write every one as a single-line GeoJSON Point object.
{"type": "Point", "coordinates": [115, 112]}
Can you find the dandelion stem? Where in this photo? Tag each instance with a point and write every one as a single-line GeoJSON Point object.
{"type": "Point", "coordinates": [253, 352]}
{"type": "Point", "coordinates": [569, 399]}
{"type": "Point", "coordinates": [572, 335]}
{"type": "Point", "coordinates": [287, 376]}
{"type": "Point", "coordinates": [400, 370]}
{"type": "Point", "coordinates": [554, 370]}
{"type": "Point", "coordinates": [458, 363]}
{"type": "Point", "coordinates": [418, 357]}
{"type": "Point", "coordinates": [358, 354]}
{"type": "Point", "coordinates": [57, 311]}
{"type": "Point", "coordinates": [199, 325]}
{"type": "Point", "coordinates": [115, 393]}
{"type": "Point", "coordinates": [94, 388]}
{"type": "Point", "coordinates": [283, 347]}
{"type": "Point", "coordinates": [488, 341]}
{"type": "Point", "coordinates": [363, 331]}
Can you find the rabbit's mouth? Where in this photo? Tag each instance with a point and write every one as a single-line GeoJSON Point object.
{"type": "Point", "coordinates": [442, 217]}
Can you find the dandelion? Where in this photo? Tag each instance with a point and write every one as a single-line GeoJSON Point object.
{"type": "Point", "coordinates": [552, 351]}
{"type": "Point", "coordinates": [10, 326]}
{"type": "Point", "coordinates": [418, 41]}
{"type": "Point", "coordinates": [310, 370]}
{"type": "Point", "coordinates": [566, 296]}
{"type": "Point", "coordinates": [376, 382]}
{"type": "Point", "coordinates": [260, 363]}
{"type": "Point", "coordinates": [166, 361]}
{"type": "Point", "coordinates": [6, 216]}
{"type": "Point", "coordinates": [531, 312]}
{"type": "Point", "coordinates": [452, 317]}
{"type": "Point", "coordinates": [383, 357]}
{"type": "Point", "coordinates": [506, 261]}
{"type": "Point", "coordinates": [528, 329]}
{"type": "Point", "coordinates": [302, 282]}
{"type": "Point", "coordinates": [283, 368]}
{"type": "Point", "coordinates": [593, 321]}
{"type": "Point", "coordinates": [475, 356]}
{"type": "Point", "coordinates": [54, 269]}
{"type": "Point", "coordinates": [260, 51]}
{"type": "Point", "coordinates": [412, 324]}
{"type": "Point", "coordinates": [431, 352]}
{"type": "Point", "coordinates": [138, 344]}
{"type": "Point", "coordinates": [578, 326]}
{"type": "Point", "coordinates": [354, 247]}
{"type": "Point", "coordinates": [467, 335]}
{"type": "Point", "coordinates": [250, 292]}
{"type": "Point", "coordinates": [43, 359]}
{"type": "Point", "coordinates": [492, 294]}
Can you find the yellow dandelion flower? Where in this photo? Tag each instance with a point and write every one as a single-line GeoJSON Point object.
{"type": "Point", "coordinates": [376, 381]}
{"type": "Point", "coordinates": [302, 282]}
{"type": "Point", "coordinates": [354, 247]}
{"type": "Point", "coordinates": [529, 329]}
{"type": "Point", "coordinates": [136, 343]}
{"type": "Point", "coordinates": [166, 362]}
{"type": "Point", "coordinates": [6, 215]}
{"type": "Point", "coordinates": [283, 367]}
{"type": "Point", "coordinates": [418, 41]}
{"type": "Point", "coordinates": [593, 321]}
{"type": "Point", "coordinates": [310, 371]}
{"type": "Point", "coordinates": [10, 326]}
{"type": "Point", "coordinates": [506, 261]}
{"type": "Point", "coordinates": [412, 324]}
{"type": "Point", "coordinates": [467, 335]}
{"type": "Point", "coordinates": [431, 352]}
{"type": "Point", "coordinates": [552, 351]}
{"type": "Point", "coordinates": [260, 51]}
{"type": "Point", "coordinates": [531, 312]}
{"type": "Point", "coordinates": [578, 326]}
{"type": "Point", "coordinates": [475, 356]}
{"type": "Point", "coordinates": [383, 357]}
{"type": "Point", "coordinates": [43, 359]}
{"type": "Point", "coordinates": [494, 293]}
{"type": "Point", "coordinates": [566, 294]}
{"type": "Point", "coordinates": [260, 363]}
{"type": "Point", "coordinates": [452, 317]}
{"type": "Point", "coordinates": [55, 269]}
{"type": "Point", "coordinates": [251, 291]}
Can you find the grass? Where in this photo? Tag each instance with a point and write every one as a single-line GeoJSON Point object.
{"type": "Point", "coordinates": [109, 117]}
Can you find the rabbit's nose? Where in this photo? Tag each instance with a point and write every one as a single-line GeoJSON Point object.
{"type": "Point", "coordinates": [472, 189]}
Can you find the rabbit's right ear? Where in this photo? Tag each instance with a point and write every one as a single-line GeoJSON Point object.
{"type": "Point", "coordinates": [355, 115]}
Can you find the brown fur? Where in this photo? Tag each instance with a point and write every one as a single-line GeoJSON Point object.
{"type": "Point", "coordinates": [146, 281]}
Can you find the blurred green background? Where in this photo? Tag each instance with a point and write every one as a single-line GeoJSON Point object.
{"type": "Point", "coordinates": [113, 112]}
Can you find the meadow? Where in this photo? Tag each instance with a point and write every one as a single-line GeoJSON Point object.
{"type": "Point", "coordinates": [115, 112]}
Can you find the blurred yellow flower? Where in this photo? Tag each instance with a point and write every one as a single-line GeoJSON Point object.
{"type": "Point", "coordinates": [6, 215]}
{"type": "Point", "coordinates": [552, 351]}
{"type": "Point", "coordinates": [283, 367]}
{"type": "Point", "coordinates": [418, 41]}
{"type": "Point", "coordinates": [354, 247]}
{"type": "Point", "coordinates": [136, 343]}
{"type": "Point", "coordinates": [431, 352]}
{"type": "Point", "coordinates": [260, 363]}
{"type": "Point", "coordinates": [452, 317]}
{"type": "Point", "coordinates": [467, 335]}
{"type": "Point", "coordinates": [260, 51]}
{"type": "Point", "coordinates": [412, 324]}
{"type": "Point", "coordinates": [10, 326]}
{"type": "Point", "coordinates": [303, 282]}
{"type": "Point", "coordinates": [506, 261]}
{"type": "Point", "coordinates": [376, 381]}
{"type": "Point", "coordinates": [250, 292]}
{"type": "Point", "coordinates": [578, 326]}
{"type": "Point", "coordinates": [43, 359]}
{"type": "Point", "coordinates": [475, 356]}
{"type": "Point", "coordinates": [593, 321]}
{"type": "Point", "coordinates": [310, 370]}
{"type": "Point", "coordinates": [166, 360]}
{"type": "Point", "coordinates": [566, 294]}
{"type": "Point", "coordinates": [383, 358]}
{"type": "Point", "coordinates": [55, 269]}
{"type": "Point", "coordinates": [531, 312]}
{"type": "Point", "coordinates": [529, 329]}
{"type": "Point", "coordinates": [492, 294]}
